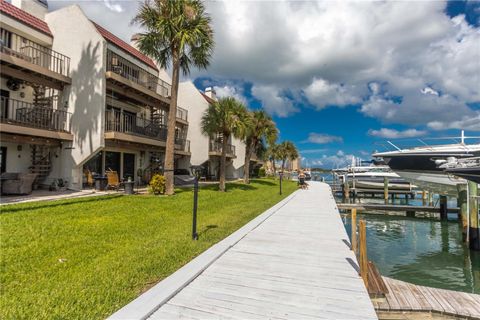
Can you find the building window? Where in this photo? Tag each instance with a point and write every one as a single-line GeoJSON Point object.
{"type": "Point", "coordinates": [94, 165]}
{"type": "Point", "coordinates": [112, 161]}
{"type": "Point", "coordinates": [128, 165]}
{"type": "Point", "coordinates": [3, 159]}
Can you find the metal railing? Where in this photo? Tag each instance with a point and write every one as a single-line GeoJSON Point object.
{"type": "Point", "coordinates": [217, 147]}
{"type": "Point", "coordinates": [182, 114]}
{"type": "Point", "coordinates": [28, 50]}
{"type": "Point", "coordinates": [132, 72]}
{"type": "Point", "coordinates": [182, 145]}
{"type": "Point", "coordinates": [118, 121]}
{"type": "Point", "coordinates": [31, 115]}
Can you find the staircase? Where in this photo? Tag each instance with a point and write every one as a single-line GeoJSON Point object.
{"type": "Point", "coordinates": [41, 164]}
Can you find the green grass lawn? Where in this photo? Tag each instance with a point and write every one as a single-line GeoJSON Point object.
{"type": "Point", "coordinates": [86, 258]}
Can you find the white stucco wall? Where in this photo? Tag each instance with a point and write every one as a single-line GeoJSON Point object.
{"type": "Point", "coordinates": [239, 162]}
{"type": "Point", "coordinates": [17, 161]}
{"type": "Point", "coordinates": [192, 100]}
{"type": "Point", "coordinates": [76, 37]}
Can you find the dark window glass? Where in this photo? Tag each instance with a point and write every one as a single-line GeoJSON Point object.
{"type": "Point", "coordinates": [3, 159]}
{"type": "Point", "coordinates": [94, 165]}
{"type": "Point", "coordinates": [128, 165]}
{"type": "Point", "coordinates": [112, 161]}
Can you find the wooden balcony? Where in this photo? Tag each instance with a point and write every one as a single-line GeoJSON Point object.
{"type": "Point", "coordinates": [215, 149]}
{"type": "Point", "coordinates": [132, 81]}
{"type": "Point", "coordinates": [182, 115]}
{"type": "Point", "coordinates": [27, 60]}
{"type": "Point", "coordinates": [130, 129]}
{"type": "Point", "coordinates": [27, 119]}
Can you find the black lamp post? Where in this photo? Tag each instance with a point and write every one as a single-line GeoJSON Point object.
{"type": "Point", "coordinates": [281, 175]}
{"type": "Point", "coordinates": [195, 203]}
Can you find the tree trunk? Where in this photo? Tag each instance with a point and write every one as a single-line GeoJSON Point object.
{"type": "Point", "coordinates": [274, 168]}
{"type": "Point", "coordinates": [223, 159]}
{"type": "Point", "coordinates": [246, 168]}
{"type": "Point", "coordinates": [172, 118]}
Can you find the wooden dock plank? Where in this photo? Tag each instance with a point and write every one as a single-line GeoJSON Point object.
{"type": "Point", "coordinates": [294, 265]}
{"type": "Point", "coordinates": [405, 297]}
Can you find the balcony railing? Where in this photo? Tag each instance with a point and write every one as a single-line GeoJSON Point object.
{"type": "Point", "coordinates": [132, 72]}
{"type": "Point", "coordinates": [31, 115]}
{"type": "Point", "coordinates": [28, 50]}
{"type": "Point", "coordinates": [217, 147]}
{"type": "Point", "coordinates": [182, 145]}
{"type": "Point", "coordinates": [118, 121]}
{"type": "Point", "coordinates": [182, 114]}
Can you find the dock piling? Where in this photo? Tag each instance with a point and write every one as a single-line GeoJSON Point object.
{"type": "Point", "coordinates": [385, 189]}
{"type": "Point", "coordinates": [474, 230]}
{"type": "Point", "coordinates": [463, 206]}
{"type": "Point", "coordinates": [354, 231]}
{"type": "Point", "coordinates": [363, 252]}
{"type": "Point", "coordinates": [443, 208]}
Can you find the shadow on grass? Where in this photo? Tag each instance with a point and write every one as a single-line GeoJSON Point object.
{"type": "Point", "coordinates": [54, 203]}
{"type": "Point", "coordinates": [207, 228]}
{"type": "Point", "coordinates": [264, 182]}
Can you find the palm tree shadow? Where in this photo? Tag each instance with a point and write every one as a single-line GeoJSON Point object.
{"type": "Point", "coordinates": [207, 228]}
{"type": "Point", "coordinates": [263, 182]}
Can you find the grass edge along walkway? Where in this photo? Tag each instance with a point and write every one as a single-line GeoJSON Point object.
{"type": "Point", "coordinates": [86, 258]}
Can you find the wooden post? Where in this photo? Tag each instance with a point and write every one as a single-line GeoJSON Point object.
{"type": "Point", "coordinates": [385, 189]}
{"type": "Point", "coordinates": [363, 252]}
{"type": "Point", "coordinates": [443, 208]}
{"type": "Point", "coordinates": [474, 230]}
{"type": "Point", "coordinates": [346, 188]}
{"type": "Point", "coordinates": [462, 205]}
{"type": "Point", "coordinates": [430, 198]}
{"type": "Point", "coordinates": [353, 240]}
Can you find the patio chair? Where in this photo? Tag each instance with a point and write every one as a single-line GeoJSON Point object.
{"type": "Point", "coordinates": [113, 182]}
{"type": "Point", "coordinates": [89, 176]}
{"type": "Point", "coordinates": [18, 183]}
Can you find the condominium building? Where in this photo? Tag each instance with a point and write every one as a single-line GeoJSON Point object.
{"type": "Point", "coordinates": [76, 101]}
{"type": "Point", "coordinates": [105, 100]}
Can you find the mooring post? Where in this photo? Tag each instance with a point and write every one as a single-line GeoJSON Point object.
{"type": "Point", "coordinates": [195, 205]}
{"type": "Point", "coordinates": [354, 231]}
{"type": "Point", "coordinates": [474, 230]}
{"type": "Point", "coordinates": [443, 208]}
{"type": "Point", "coordinates": [385, 189]}
{"type": "Point", "coordinates": [430, 198]}
{"type": "Point", "coordinates": [363, 252]}
{"type": "Point", "coordinates": [424, 197]}
{"type": "Point", "coordinates": [346, 188]}
{"type": "Point", "coordinates": [463, 206]}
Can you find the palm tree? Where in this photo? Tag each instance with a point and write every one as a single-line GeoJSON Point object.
{"type": "Point", "coordinates": [177, 33]}
{"type": "Point", "coordinates": [287, 151]}
{"type": "Point", "coordinates": [261, 128]}
{"type": "Point", "coordinates": [226, 117]}
{"type": "Point", "coordinates": [272, 155]}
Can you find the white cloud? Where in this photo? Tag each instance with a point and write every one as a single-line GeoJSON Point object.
{"type": "Point", "coordinates": [274, 101]}
{"type": "Point", "coordinates": [404, 62]}
{"type": "Point", "coordinates": [467, 123]}
{"type": "Point", "coordinates": [230, 91]}
{"type": "Point", "coordinates": [111, 5]}
{"type": "Point", "coordinates": [396, 134]}
{"type": "Point", "coordinates": [321, 93]}
{"type": "Point", "coordinates": [321, 138]}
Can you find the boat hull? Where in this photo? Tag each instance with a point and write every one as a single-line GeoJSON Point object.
{"type": "Point", "coordinates": [472, 174]}
{"type": "Point", "coordinates": [434, 181]}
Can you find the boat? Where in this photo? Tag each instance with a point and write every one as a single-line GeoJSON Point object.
{"type": "Point", "coordinates": [419, 165]}
{"type": "Point", "coordinates": [367, 175]}
{"type": "Point", "coordinates": [468, 168]}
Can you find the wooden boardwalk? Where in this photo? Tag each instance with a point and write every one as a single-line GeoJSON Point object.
{"type": "Point", "coordinates": [294, 264]}
{"type": "Point", "coordinates": [405, 298]}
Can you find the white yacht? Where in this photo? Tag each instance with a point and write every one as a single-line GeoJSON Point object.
{"type": "Point", "coordinates": [419, 165]}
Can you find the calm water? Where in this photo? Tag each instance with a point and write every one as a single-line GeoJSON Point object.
{"type": "Point", "coordinates": [421, 251]}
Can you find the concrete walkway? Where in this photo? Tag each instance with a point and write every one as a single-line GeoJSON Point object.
{"type": "Point", "coordinates": [291, 262]}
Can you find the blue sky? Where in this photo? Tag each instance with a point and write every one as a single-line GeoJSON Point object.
{"type": "Point", "coordinates": [340, 78]}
